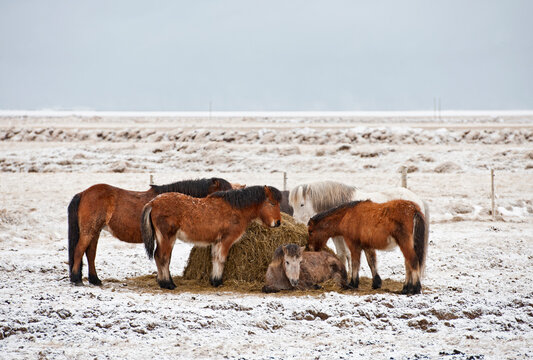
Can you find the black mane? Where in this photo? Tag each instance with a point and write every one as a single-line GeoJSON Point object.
{"type": "Point", "coordinates": [248, 196]}
{"type": "Point", "coordinates": [196, 188]}
{"type": "Point", "coordinates": [327, 213]}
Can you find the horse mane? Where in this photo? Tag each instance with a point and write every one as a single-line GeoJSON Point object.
{"type": "Point", "coordinates": [292, 250]}
{"type": "Point", "coordinates": [278, 254]}
{"type": "Point", "coordinates": [324, 194]}
{"type": "Point", "coordinates": [196, 188]}
{"type": "Point", "coordinates": [329, 212]}
{"type": "Point", "coordinates": [248, 196]}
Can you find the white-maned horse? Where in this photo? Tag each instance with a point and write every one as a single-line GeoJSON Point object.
{"type": "Point", "coordinates": [310, 199]}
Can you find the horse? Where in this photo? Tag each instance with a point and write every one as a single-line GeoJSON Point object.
{"type": "Point", "coordinates": [292, 268]}
{"type": "Point", "coordinates": [310, 199]}
{"type": "Point", "coordinates": [285, 206]}
{"type": "Point", "coordinates": [118, 211]}
{"type": "Point", "coordinates": [382, 226]}
{"type": "Point", "coordinates": [218, 220]}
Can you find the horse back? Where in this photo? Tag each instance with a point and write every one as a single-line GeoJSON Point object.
{"type": "Point", "coordinates": [319, 266]}
{"type": "Point", "coordinates": [372, 223]}
{"type": "Point", "coordinates": [198, 220]}
{"type": "Point", "coordinates": [118, 209]}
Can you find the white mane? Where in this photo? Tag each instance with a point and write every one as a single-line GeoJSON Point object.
{"type": "Point", "coordinates": [324, 194]}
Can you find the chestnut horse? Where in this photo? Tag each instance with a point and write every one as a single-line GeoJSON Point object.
{"type": "Point", "coordinates": [118, 211]}
{"type": "Point", "coordinates": [218, 220]}
{"type": "Point", "coordinates": [369, 225]}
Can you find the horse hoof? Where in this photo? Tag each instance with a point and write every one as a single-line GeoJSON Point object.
{"type": "Point", "coordinates": [407, 289]}
{"type": "Point", "coordinates": [417, 288]}
{"type": "Point", "coordinates": [167, 285]}
{"type": "Point", "coordinates": [215, 282]}
{"type": "Point", "coordinates": [78, 283]}
{"type": "Point", "coordinates": [376, 282]}
{"type": "Point", "coordinates": [94, 280]}
{"type": "Point", "coordinates": [268, 290]}
{"type": "Point", "coordinates": [354, 284]}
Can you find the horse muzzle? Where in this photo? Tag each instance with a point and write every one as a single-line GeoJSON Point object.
{"type": "Point", "coordinates": [294, 282]}
{"type": "Point", "coordinates": [276, 223]}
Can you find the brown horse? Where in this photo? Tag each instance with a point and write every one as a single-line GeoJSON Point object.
{"type": "Point", "coordinates": [369, 225]}
{"type": "Point", "coordinates": [292, 268]}
{"type": "Point", "coordinates": [218, 220]}
{"type": "Point", "coordinates": [117, 210]}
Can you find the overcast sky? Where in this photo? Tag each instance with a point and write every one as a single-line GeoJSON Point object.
{"type": "Point", "coordinates": [266, 55]}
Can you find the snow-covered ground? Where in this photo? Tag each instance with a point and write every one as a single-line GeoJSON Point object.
{"type": "Point", "coordinates": [478, 292]}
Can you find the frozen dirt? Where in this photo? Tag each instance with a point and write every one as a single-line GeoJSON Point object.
{"type": "Point", "coordinates": [478, 290]}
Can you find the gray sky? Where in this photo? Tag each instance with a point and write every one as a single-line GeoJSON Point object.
{"type": "Point", "coordinates": [268, 55]}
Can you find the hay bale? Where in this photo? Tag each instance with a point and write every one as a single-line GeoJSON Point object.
{"type": "Point", "coordinates": [249, 258]}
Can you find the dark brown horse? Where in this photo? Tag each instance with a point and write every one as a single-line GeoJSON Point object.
{"type": "Point", "coordinates": [285, 206]}
{"type": "Point", "coordinates": [369, 225]}
{"type": "Point", "coordinates": [218, 220]}
{"type": "Point", "coordinates": [117, 210]}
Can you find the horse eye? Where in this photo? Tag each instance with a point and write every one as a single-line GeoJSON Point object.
{"type": "Point", "coordinates": [286, 263]}
{"type": "Point", "coordinates": [301, 205]}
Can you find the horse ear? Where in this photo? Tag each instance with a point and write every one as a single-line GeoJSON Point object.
{"type": "Point", "coordinates": [216, 183]}
{"type": "Point", "coordinates": [302, 249]}
{"type": "Point", "coordinates": [267, 191]}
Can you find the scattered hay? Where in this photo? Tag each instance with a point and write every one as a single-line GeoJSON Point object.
{"type": "Point", "coordinates": [148, 284]}
{"type": "Point", "coordinates": [248, 259]}
{"type": "Point", "coordinates": [246, 265]}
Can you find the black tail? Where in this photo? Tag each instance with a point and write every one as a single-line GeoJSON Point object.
{"type": "Point", "coordinates": [147, 231]}
{"type": "Point", "coordinates": [426, 235]}
{"type": "Point", "coordinates": [420, 239]}
{"type": "Point", "coordinates": [73, 231]}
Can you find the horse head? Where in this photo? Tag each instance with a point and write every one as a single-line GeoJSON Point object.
{"type": "Point", "coordinates": [236, 186]}
{"type": "Point", "coordinates": [301, 204]}
{"type": "Point", "coordinates": [292, 257]}
{"type": "Point", "coordinates": [218, 184]}
{"type": "Point", "coordinates": [318, 235]}
{"type": "Point", "coordinates": [269, 211]}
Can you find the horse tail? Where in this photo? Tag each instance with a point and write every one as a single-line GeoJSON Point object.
{"type": "Point", "coordinates": [147, 231]}
{"type": "Point", "coordinates": [426, 234]}
{"type": "Point", "coordinates": [73, 230]}
{"type": "Point", "coordinates": [420, 239]}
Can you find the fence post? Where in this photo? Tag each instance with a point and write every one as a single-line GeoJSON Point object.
{"type": "Point", "coordinates": [151, 179]}
{"type": "Point", "coordinates": [404, 177]}
{"type": "Point", "coordinates": [284, 181]}
{"type": "Point", "coordinates": [492, 194]}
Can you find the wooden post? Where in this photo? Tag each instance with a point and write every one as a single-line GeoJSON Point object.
{"type": "Point", "coordinates": [404, 177]}
{"type": "Point", "coordinates": [151, 179]}
{"type": "Point", "coordinates": [492, 194]}
{"type": "Point", "coordinates": [284, 181]}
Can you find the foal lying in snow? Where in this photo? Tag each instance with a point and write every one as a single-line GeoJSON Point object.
{"type": "Point", "coordinates": [293, 268]}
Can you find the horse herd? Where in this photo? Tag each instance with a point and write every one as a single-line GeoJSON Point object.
{"type": "Point", "coordinates": [213, 212]}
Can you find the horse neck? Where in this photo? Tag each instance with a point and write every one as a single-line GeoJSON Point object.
{"type": "Point", "coordinates": [333, 222]}
{"type": "Point", "coordinates": [249, 213]}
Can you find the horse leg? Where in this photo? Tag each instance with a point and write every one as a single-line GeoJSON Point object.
{"type": "Point", "coordinates": [162, 255]}
{"type": "Point", "coordinates": [372, 261]}
{"type": "Point", "coordinates": [412, 272]}
{"type": "Point", "coordinates": [91, 255]}
{"type": "Point", "coordinates": [356, 262]}
{"type": "Point", "coordinates": [218, 258]}
{"type": "Point", "coordinates": [219, 253]}
{"type": "Point", "coordinates": [86, 238]}
{"type": "Point", "coordinates": [343, 254]}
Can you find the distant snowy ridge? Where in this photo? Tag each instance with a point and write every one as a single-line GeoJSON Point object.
{"type": "Point", "coordinates": [275, 114]}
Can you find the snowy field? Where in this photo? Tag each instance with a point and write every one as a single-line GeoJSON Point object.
{"type": "Point", "coordinates": [477, 299]}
